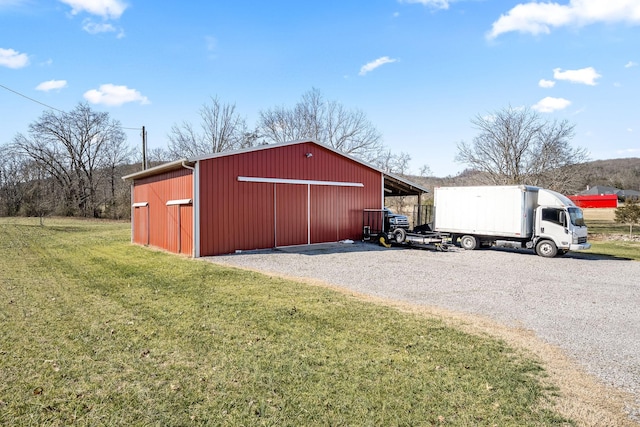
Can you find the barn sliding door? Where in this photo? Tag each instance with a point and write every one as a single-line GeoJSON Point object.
{"type": "Point", "coordinates": [324, 218]}
{"type": "Point", "coordinates": [307, 211]}
{"type": "Point", "coordinates": [291, 214]}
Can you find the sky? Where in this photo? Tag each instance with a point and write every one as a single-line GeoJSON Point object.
{"type": "Point", "coordinates": [420, 70]}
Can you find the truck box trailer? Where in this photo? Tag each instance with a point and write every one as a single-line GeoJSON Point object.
{"type": "Point", "coordinates": [516, 216]}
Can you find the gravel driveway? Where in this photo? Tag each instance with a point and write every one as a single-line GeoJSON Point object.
{"type": "Point", "coordinates": [588, 306]}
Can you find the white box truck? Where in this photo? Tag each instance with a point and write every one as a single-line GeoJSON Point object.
{"type": "Point", "coordinates": [513, 216]}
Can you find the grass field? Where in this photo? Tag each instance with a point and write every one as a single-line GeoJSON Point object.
{"type": "Point", "coordinates": [601, 220]}
{"type": "Point", "coordinates": [605, 235]}
{"type": "Point", "coordinates": [96, 331]}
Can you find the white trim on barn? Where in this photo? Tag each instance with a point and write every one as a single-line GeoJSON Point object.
{"type": "Point", "coordinates": [178, 202]}
{"type": "Point", "coordinates": [299, 181]}
{"type": "Point", "coordinates": [196, 210]}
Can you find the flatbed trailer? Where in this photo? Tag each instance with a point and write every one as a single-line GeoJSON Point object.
{"type": "Point", "coordinates": [376, 228]}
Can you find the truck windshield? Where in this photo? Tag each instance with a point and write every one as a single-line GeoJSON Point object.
{"type": "Point", "coordinates": [576, 217]}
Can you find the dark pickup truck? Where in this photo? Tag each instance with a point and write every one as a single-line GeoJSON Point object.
{"type": "Point", "coordinates": [393, 221]}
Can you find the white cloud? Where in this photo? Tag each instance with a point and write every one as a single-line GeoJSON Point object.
{"type": "Point", "coordinates": [549, 104]}
{"type": "Point", "coordinates": [13, 59]}
{"type": "Point", "coordinates": [108, 9]}
{"type": "Point", "coordinates": [630, 64]}
{"type": "Point", "coordinates": [11, 3]}
{"type": "Point", "coordinates": [212, 43]}
{"type": "Point", "coordinates": [585, 76]}
{"type": "Point", "coordinates": [437, 4]}
{"type": "Point", "coordinates": [112, 95]}
{"type": "Point", "coordinates": [629, 151]}
{"type": "Point", "coordinates": [96, 28]}
{"type": "Point", "coordinates": [375, 64]}
{"type": "Point", "coordinates": [546, 83]}
{"type": "Point", "coordinates": [52, 85]}
{"type": "Point", "coordinates": [539, 18]}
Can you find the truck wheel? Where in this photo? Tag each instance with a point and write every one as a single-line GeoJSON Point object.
{"type": "Point", "coordinates": [546, 248]}
{"type": "Point", "coordinates": [400, 235]}
{"type": "Point", "coordinates": [468, 242]}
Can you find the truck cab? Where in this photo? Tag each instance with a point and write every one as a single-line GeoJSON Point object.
{"type": "Point", "coordinates": [559, 225]}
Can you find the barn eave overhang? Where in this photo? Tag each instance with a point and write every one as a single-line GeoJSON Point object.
{"type": "Point", "coordinates": [397, 186]}
{"type": "Point", "coordinates": [165, 167]}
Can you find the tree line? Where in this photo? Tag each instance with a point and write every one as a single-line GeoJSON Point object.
{"type": "Point", "coordinates": [71, 163]}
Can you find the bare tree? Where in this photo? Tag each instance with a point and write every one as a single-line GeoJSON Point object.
{"type": "Point", "coordinates": [425, 171]}
{"type": "Point", "coordinates": [116, 153]}
{"type": "Point", "coordinates": [157, 156]}
{"type": "Point", "coordinates": [71, 148]}
{"type": "Point", "coordinates": [393, 163]}
{"type": "Point", "coordinates": [12, 181]}
{"type": "Point", "coordinates": [25, 186]}
{"type": "Point", "coordinates": [515, 146]}
{"type": "Point", "coordinates": [327, 122]}
{"type": "Point", "coordinates": [221, 129]}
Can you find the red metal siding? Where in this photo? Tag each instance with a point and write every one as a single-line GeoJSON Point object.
{"type": "Point", "coordinates": [163, 229]}
{"type": "Point", "coordinates": [179, 228]}
{"type": "Point", "coordinates": [324, 214]}
{"type": "Point", "coordinates": [242, 215]}
{"type": "Point", "coordinates": [354, 201]}
{"type": "Point", "coordinates": [233, 215]}
{"type": "Point", "coordinates": [291, 214]}
{"type": "Point", "coordinates": [596, 201]}
{"type": "Point", "coordinates": [141, 225]}
{"type": "Point", "coordinates": [186, 230]}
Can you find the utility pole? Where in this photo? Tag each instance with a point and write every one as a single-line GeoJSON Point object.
{"type": "Point", "coordinates": [144, 148]}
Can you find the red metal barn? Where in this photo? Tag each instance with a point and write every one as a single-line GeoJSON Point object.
{"type": "Point", "coordinates": [294, 193]}
{"type": "Point", "coordinates": [595, 200]}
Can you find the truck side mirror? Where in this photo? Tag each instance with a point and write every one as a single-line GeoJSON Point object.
{"type": "Point", "coordinates": [563, 218]}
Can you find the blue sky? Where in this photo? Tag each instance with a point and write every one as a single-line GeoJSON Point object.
{"type": "Point", "coordinates": [419, 69]}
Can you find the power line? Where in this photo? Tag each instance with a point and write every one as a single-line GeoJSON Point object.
{"type": "Point", "coordinates": [48, 106]}
{"type": "Point", "coordinates": [31, 99]}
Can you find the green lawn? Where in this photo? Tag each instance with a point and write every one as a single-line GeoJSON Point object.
{"type": "Point", "coordinates": [96, 331]}
{"type": "Point", "coordinates": [617, 249]}
{"type": "Point", "coordinates": [602, 227]}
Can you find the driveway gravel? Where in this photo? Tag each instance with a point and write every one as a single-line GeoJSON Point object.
{"type": "Point", "coordinates": [588, 306]}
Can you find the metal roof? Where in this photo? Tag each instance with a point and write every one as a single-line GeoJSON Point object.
{"type": "Point", "coordinates": [394, 185]}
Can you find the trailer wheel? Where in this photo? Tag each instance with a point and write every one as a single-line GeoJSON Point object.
{"type": "Point", "coordinates": [383, 239]}
{"type": "Point", "coordinates": [400, 235]}
{"type": "Point", "coordinates": [546, 248]}
{"type": "Point", "coordinates": [468, 242]}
